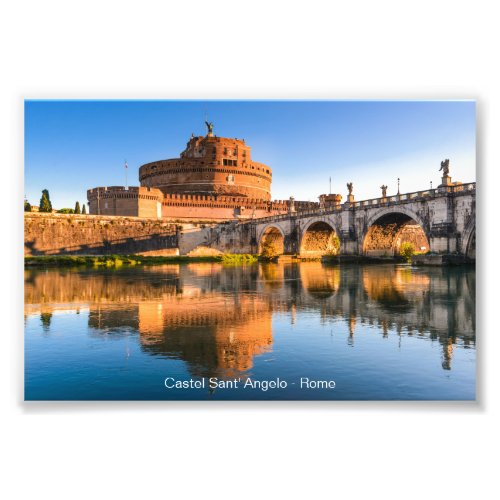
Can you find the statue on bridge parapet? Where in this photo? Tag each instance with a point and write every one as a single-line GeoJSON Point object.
{"type": "Point", "coordinates": [383, 187]}
{"type": "Point", "coordinates": [445, 167]}
{"type": "Point", "coordinates": [350, 197]}
{"type": "Point", "coordinates": [322, 202]}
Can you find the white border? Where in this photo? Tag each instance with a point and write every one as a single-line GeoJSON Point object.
{"type": "Point", "coordinates": [223, 49]}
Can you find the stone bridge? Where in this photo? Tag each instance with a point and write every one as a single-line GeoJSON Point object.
{"type": "Point", "coordinates": [440, 220]}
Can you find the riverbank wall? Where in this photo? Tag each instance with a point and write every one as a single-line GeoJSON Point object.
{"type": "Point", "coordinates": [441, 260]}
{"type": "Point", "coordinates": [70, 234]}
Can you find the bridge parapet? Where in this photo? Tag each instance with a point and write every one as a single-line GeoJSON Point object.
{"type": "Point", "coordinates": [425, 194]}
{"type": "Point", "coordinates": [458, 189]}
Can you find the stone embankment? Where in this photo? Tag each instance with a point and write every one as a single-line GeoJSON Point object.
{"type": "Point", "coordinates": [70, 234]}
{"type": "Point", "coordinates": [440, 260]}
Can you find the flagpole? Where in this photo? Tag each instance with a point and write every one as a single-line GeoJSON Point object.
{"type": "Point", "coordinates": [126, 176]}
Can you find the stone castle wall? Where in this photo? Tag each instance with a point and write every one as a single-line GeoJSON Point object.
{"type": "Point", "coordinates": [151, 203]}
{"type": "Point", "coordinates": [219, 208]}
{"type": "Point", "coordinates": [128, 202]}
{"type": "Point", "coordinates": [59, 234]}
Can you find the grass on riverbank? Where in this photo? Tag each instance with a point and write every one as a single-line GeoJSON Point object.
{"type": "Point", "coordinates": [131, 260]}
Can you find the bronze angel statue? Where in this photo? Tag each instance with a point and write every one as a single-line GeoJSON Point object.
{"type": "Point", "coordinates": [349, 187]}
{"type": "Point", "coordinates": [445, 167]}
{"type": "Point", "coordinates": [210, 127]}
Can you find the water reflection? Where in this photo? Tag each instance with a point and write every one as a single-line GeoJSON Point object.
{"type": "Point", "coordinates": [218, 319]}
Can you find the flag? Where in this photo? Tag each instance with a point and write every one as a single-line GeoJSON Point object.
{"type": "Point", "coordinates": [126, 165]}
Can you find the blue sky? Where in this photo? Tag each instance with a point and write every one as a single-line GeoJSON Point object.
{"type": "Point", "coordinates": [71, 146]}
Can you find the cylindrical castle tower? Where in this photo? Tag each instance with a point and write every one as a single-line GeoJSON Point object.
{"type": "Point", "coordinates": [212, 166]}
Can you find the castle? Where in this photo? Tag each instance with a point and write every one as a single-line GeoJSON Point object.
{"type": "Point", "coordinates": [215, 179]}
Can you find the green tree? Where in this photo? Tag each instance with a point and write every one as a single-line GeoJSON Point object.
{"type": "Point", "coordinates": [84, 210]}
{"type": "Point", "coordinates": [333, 245]}
{"type": "Point", "coordinates": [406, 250]}
{"type": "Point", "coordinates": [66, 211]}
{"type": "Point", "coordinates": [45, 204]}
{"type": "Point", "coordinates": [27, 206]}
{"type": "Point", "coordinates": [77, 207]}
{"type": "Point", "coordinates": [268, 250]}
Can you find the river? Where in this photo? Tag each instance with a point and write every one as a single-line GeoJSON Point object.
{"type": "Point", "coordinates": [258, 332]}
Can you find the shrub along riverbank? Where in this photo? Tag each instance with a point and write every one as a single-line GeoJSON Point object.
{"type": "Point", "coordinates": [132, 260]}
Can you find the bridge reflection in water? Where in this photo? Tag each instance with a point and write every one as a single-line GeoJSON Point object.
{"type": "Point", "coordinates": [219, 319]}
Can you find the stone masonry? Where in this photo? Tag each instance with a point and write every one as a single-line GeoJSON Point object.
{"type": "Point", "coordinates": [59, 234]}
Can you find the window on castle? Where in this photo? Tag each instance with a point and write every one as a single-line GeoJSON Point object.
{"type": "Point", "coordinates": [225, 151]}
{"type": "Point", "coordinates": [229, 163]}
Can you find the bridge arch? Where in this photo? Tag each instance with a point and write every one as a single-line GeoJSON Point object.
{"type": "Point", "coordinates": [388, 228]}
{"type": "Point", "coordinates": [272, 234]}
{"type": "Point", "coordinates": [319, 237]}
{"type": "Point", "coordinates": [468, 247]}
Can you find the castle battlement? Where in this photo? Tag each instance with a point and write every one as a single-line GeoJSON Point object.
{"type": "Point", "coordinates": [124, 192]}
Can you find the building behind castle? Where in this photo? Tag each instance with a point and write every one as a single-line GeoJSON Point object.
{"type": "Point", "coordinates": [215, 179]}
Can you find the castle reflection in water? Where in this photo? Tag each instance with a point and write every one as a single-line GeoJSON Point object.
{"type": "Point", "coordinates": [217, 319]}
